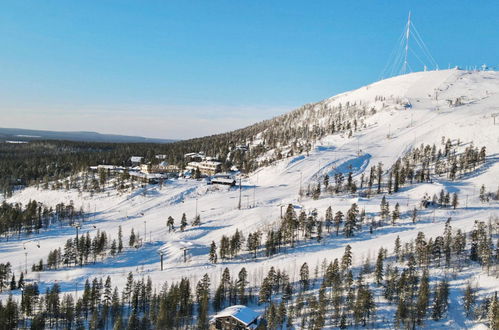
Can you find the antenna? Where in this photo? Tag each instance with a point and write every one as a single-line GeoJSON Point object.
{"type": "Point", "coordinates": [410, 46]}
{"type": "Point", "coordinates": [407, 36]}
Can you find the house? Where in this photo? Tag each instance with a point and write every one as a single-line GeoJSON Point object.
{"type": "Point", "coordinates": [151, 178]}
{"type": "Point", "coordinates": [224, 179]}
{"type": "Point", "coordinates": [160, 157]}
{"type": "Point", "coordinates": [210, 167]}
{"type": "Point", "coordinates": [136, 160]}
{"type": "Point", "coordinates": [146, 168]}
{"type": "Point", "coordinates": [237, 317]}
{"type": "Point", "coordinates": [195, 156]}
{"type": "Point", "coordinates": [206, 167]}
{"type": "Point", "coordinates": [161, 168]}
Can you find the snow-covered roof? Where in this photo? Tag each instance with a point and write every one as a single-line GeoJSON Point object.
{"type": "Point", "coordinates": [224, 180]}
{"type": "Point", "coordinates": [211, 162]}
{"type": "Point", "coordinates": [240, 312]}
{"type": "Point", "coordinates": [136, 159]}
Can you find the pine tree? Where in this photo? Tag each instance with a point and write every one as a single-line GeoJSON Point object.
{"type": "Point", "coordinates": [183, 222]}
{"type": "Point", "coordinates": [120, 240]}
{"type": "Point", "coordinates": [455, 201]}
{"type": "Point", "coordinates": [351, 220]}
{"type": "Point", "coordinates": [346, 260]}
{"type": "Point", "coordinates": [379, 174]}
{"type": "Point", "coordinates": [203, 296]}
{"type": "Point", "coordinates": [441, 300]}
{"type": "Point", "coordinates": [213, 253]}
{"type": "Point", "coordinates": [397, 247]}
{"type": "Point", "coordinates": [482, 195]}
{"type": "Point", "coordinates": [338, 219]}
{"type": "Point", "coordinates": [493, 313]}
{"type": "Point", "coordinates": [378, 272]}
{"type": "Point", "coordinates": [469, 300]}
{"type": "Point", "coordinates": [328, 219]}
{"type": "Point", "coordinates": [304, 277]}
{"type": "Point", "coordinates": [396, 213]}
{"type": "Point", "coordinates": [133, 321]}
{"type": "Point", "coordinates": [132, 239]}
{"type": "Point", "coordinates": [423, 298]}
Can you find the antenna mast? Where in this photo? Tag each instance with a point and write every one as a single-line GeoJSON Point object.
{"type": "Point", "coordinates": [407, 35]}
{"type": "Point", "coordinates": [398, 61]}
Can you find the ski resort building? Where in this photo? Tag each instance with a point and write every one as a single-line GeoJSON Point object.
{"type": "Point", "coordinates": [195, 156]}
{"type": "Point", "coordinates": [161, 168]}
{"type": "Point", "coordinates": [224, 179]}
{"type": "Point", "coordinates": [136, 160]}
{"type": "Point", "coordinates": [237, 317]}
{"type": "Point", "coordinates": [206, 167]}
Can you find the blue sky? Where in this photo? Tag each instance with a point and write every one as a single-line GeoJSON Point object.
{"type": "Point", "coordinates": [178, 69]}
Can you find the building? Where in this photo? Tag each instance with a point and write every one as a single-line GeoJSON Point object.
{"type": "Point", "coordinates": [161, 168]}
{"type": "Point", "coordinates": [224, 179]}
{"type": "Point", "coordinates": [136, 160]}
{"type": "Point", "coordinates": [151, 178]}
{"type": "Point", "coordinates": [206, 167]}
{"type": "Point", "coordinates": [195, 156]}
{"type": "Point", "coordinates": [237, 317]}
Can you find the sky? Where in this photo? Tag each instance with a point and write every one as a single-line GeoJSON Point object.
{"type": "Point", "coordinates": [181, 69]}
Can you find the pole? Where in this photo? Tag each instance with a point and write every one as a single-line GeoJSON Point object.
{"type": "Point", "coordinates": [301, 176]}
{"type": "Point", "coordinates": [240, 192]}
{"type": "Point", "coordinates": [254, 193]}
{"type": "Point", "coordinates": [161, 261]}
{"type": "Point", "coordinates": [407, 35]}
{"type": "Point", "coordinates": [145, 231]}
{"type": "Point", "coordinates": [196, 216]}
{"type": "Point", "coordinates": [26, 262]}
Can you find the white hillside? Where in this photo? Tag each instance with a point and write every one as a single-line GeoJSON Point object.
{"type": "Point", "coordinates": [410, 110]}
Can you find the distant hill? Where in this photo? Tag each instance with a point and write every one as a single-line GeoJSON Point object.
{"type": "Point", "coordinates": [20, 134]}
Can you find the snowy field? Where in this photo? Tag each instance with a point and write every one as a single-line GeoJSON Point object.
{"type": "Point", "coordinates": [390, 133]}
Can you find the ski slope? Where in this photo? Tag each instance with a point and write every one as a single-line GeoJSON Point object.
{"type": "Point", "coordinates": [389, 134]}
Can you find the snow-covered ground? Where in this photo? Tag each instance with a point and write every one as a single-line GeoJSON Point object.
{"type": "Point", "coordinates": [390, 133]}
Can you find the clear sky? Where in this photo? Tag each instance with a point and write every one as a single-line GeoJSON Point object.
{"type": "Point", "coordinates": [178, 69]}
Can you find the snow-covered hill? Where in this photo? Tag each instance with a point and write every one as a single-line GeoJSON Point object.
{"type": "Point", "coordinates": [399, 114]}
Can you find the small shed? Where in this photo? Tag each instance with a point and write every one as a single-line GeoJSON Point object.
{"type": "Point", "coordinates": [237, 317]}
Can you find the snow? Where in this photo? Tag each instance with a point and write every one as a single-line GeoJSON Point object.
{"type": "Point", "coordinates": [264, 191]}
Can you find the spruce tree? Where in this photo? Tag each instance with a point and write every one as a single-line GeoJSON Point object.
{"type": "Point", "coordinates": [469, 300]}
{"type": "Point", "coordinates": [120, 240]}
{"type": "Point", "coordinates": [183, 222]}
{"type": "Point", "coordinates": [213, 253]}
